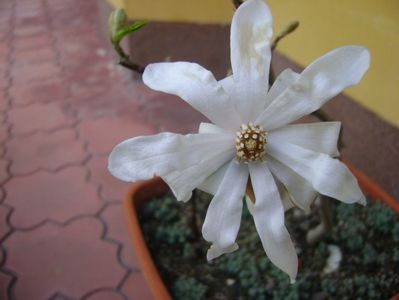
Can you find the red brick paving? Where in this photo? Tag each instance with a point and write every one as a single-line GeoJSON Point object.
{"type": "Point", "coordinates": [48, 151]}
{"type": "Point", "coordinates": [112, 189]}
{"type": "Point", "coordinates": [57, 197]}
{"type": "Point", "coordinates": [30, 30]}
{"type": "Point", "coordinates": [30, 57]}
{"type": "Point", "coordinates": [3, 132]}
{"type": "Point", "coordinates": [4, 228]}
{"type": "Point", "coordinates": [44, 91]}
{"type": "Point", "coordinates": [105, 295]}
{"type": "Point", "coordinates": [63, 105]}
{"type": "Point", "coordinates": [5, 281]}
{"type": "Point", "coordinates": [117, 231]}
{"type": "Point", "coordinates": [2, 195]}
{"type": "Point", "coordinates": [103, 134]}
{"type": "Point", "coordinates": [39, 117]}
{"type": "Point", "coordinates": [4, 82]}
{"type": "Point", "coordinates": [33, 72]}
{"type": "Point", "coordinates": [3, 170]}
{"type": "Point", "coordinates": [33, 43]}
{"type": "Point", "coordinates": [73, 259]}
{"type": "Point", "coordinates": [3, 102]}
{"type": "Point", "coordinates": [136, 287]}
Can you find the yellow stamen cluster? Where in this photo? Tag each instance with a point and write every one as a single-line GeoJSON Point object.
{"type": "Point", "coordinates": [250, 143]}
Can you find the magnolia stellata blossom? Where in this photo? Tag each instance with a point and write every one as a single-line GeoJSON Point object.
{"type": "Point", "coordinates": [249, 140]}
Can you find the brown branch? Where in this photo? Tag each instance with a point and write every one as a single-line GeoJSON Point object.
{"type": "Point", "coordinates": [272, 76]}
{"type": "Point", "coordinates": [289, 29]}
{"type": "Point", "coordinates": [322, 116]}
{"type": "Point", "coordinates": [193, 218]}
{"type": "Point", "coordinates": [193, 222]}
{"type": "Point", "coordinates": [125, 62]}
{"type": "Point", "coordinates": [237, 3]}
{"type": "Point", "coordinates": [316, 234]}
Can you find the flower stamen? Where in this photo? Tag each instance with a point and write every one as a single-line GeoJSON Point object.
{"type": "Point", "coordinates": [250, 143]}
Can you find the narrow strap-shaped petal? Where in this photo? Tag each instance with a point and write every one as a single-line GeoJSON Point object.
{"type": "Point", "coordinates": [282, 82]}
{"type": "Point", "coordinates": [211, 184]}
{"type": "Point", "coordinates": [285, 79]}
{"type": "Point", "coordinates": [197, 86]}
{"type": "Point", "coordinates": [284, 195]}
{"type": "Point", "coordinates": [319, 137]}
{"type": "Point", "coordinates": [268, 214]}
{"type": "Point", "coordinates": [302, 194]}
{"type": "Point", "coordinates": [328, 176]}
{"type": "Point", "coordinates": [147, 156]}
{"type": "Point", "coordinates": [211, 128]}
{"type": "Point", "coordinates": [183, 182]}
{"type": "Point", "coordinates": [214, 251]}
{"type": "Point", "coordinates": [251, 33]}
{"type": "Point", "coordinates": [319, 82]}
{"type": "Point", "coordinates": [213, 181]}
{"type": "Point", "coordinates": [223, 216]}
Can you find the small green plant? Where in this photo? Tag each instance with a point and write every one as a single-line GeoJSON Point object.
{"type": "Point", "coordinates": [189, 288]}
{"type": "Point", "coordinates": [367, 271]}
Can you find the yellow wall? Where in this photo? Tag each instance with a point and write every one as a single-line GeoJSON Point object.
{"type": "Point", "coordinates": [325, 24]}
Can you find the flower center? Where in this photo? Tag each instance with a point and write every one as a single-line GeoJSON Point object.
{"type": "Point", "coordinates": [250, 143]}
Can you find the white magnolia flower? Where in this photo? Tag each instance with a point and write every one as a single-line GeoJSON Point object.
{"type": "Point", "coordinates": [249, 140]}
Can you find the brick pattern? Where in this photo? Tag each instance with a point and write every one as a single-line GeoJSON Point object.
{"type": "Point", "coordinates": [63, 105]}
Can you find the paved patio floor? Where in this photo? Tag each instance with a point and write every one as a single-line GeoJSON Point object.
{"type": "Point", "coordinates": [64, 104]}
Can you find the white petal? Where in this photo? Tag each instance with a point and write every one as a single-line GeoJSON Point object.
{"type": "Point", "coordinates": [146, 156]}
{"type": "Point", "coordinates": [214, 251]}
{"type": "Point", "coordinates": [322, 80]}
{"type": "Point", "coordinates": [328, 176]}
{"type": "Point", "coordinates": [182, 183]}
{"type": "Point", "coordinates": [282, 82]}
{"type": "Point", "coordinates": [195, 85]}
{"type": "Point", "coordinates": [212, 182]}
{"type": "Point", "coordinates": [319, 137]}
{"type": "Point", "coordinates": [228, 85]}
{"type": "Point", "coordinates": [268, 214]}
{"type": "Point", "coordinates": [250, 204]}
{"type": "Point", "coordinates": [302, 193]}
{"type": "Point", "coordinates": [250, 39]}
{"type": "Point", "coordinates": [211, 128]}
{"type": "Point", "coordinates": [286, 198]}
{"type": "Point", "coordinates": [223, 217]}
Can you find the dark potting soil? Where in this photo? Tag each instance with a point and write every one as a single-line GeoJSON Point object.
{"type": "Point", "coordinates": [368, 238]}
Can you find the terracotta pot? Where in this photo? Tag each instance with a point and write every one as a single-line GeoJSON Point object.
{"type": "Point", "coordinates": [142, 191]}
{"type": "Point", "coordinates": [138, 194]}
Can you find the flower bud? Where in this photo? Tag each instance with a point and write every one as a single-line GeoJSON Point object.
{"type": "Point", "coordinates": [116, 21]}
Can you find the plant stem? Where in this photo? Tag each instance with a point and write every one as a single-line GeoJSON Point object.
{"type": "Point", "coordinates": [272, 76]}
{"type": "Point", "coordinates": [193, 217]}
{"type": "Point", "coordinates": [322, 115]}
{"type": "Point", "coordinates": [124, 60]}
{"type": "Point", "coordinates": [315, 234]}
{"type": "Point", "coordinates": [237, 3]}
{"type": "Point", "coordinates": [289, 29]}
